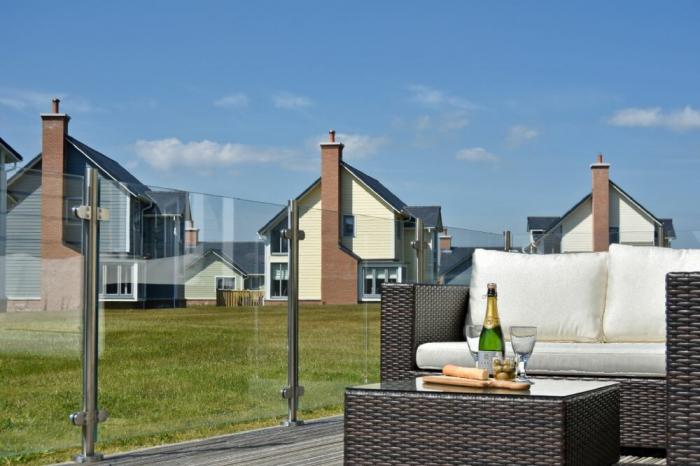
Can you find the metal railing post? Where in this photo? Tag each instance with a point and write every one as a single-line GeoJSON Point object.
{"type": "Point", "coordinates": [293, 390]}
{"type": "Point", "coordinates": [506, 241]}
{"type": "Point", "coordinates": [419, 246]}
{"type": "Point", "coordinates": [90, 416]}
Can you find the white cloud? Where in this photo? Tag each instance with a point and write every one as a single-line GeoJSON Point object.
{"type": "Point", "coordinates": [360, 146]}
{"type": "Point", "coordinates": [520, 134]}
{"type": "Point", "coordinates": [452, 111]}
{"type": "Point", "coordinates": [30, 100]}
{"type": "Point", "coordinates": [431, 97]}
{"type": "Point", "coordinates": [238, 100]}
{"type": "Point", "coordinates": [290, 101]}
{"type": "Point", "coordinates": [171, 153]}
{"type": "Point", "coordinates": [476, 154]}
{"type": "Point", "coordinates": [684, 119]}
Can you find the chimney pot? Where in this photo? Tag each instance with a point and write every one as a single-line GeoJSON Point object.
{"type": "Point", "coordinates": [332, 135]}
{"type": "Point", "coordinates": [54, 104]}
{"type": "Point", "coordinates": [600, 158]}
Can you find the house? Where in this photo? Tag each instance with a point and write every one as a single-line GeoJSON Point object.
{"type": "Point", "coordinates": [141, 245]}
{"type": "Point", "coordinates": [8, 155]}
{"type": "Point", "coordinates": [455, 265]}
{"type": "Point", "coordinates": [606, 215]}
{"type": "Point", "coordinates": [233, 265]}
{"type": "Point", "coordinates": [358, 235]}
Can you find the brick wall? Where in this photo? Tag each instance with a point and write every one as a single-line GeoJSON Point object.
{"type": "Point", "coordinates": [338, 267]}
{"type": "Point", "coordinates": [600, 172]}
{"type": "Point", "coordinates": [61, 282]}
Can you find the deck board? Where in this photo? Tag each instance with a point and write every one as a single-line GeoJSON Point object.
{"type": "Point", "coordinates": [318, 442]}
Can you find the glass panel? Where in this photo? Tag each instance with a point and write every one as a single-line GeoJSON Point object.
{"type": "Point", "coordinates": [339, 289]}
{"type": "Point", "coordinates": [40, 316]}
{"type": "Point", "coordinates": [195, 349]}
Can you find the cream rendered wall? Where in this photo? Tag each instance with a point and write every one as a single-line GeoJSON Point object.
{"type": "Point", "coordinates": [310, 247]}
{"type": "Point", "coordinates": [374, 220]}
{"type": "Point", "coordinates": [635, 226]}
{"type": "Point", "coordinates": [202, 285]}
{"type": "Point", "coordinates": [577, 229]}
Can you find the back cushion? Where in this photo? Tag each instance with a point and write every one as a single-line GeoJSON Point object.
{"type": "Point", "coordinates": [636, 303]}
{"type": "Point", "coordinates": [562, 294]}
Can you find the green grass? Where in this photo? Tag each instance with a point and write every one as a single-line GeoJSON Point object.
{"type": "Point", "coordinates": [172, 375]}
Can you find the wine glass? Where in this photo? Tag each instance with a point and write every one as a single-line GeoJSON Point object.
{"type": "Point", "coordinates": [523, 341]}
{"type": "Point", "coordinates": [473, 334]}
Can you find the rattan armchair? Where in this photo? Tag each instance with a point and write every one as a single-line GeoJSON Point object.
{"type": "Point", "coordinates": [683, 367]}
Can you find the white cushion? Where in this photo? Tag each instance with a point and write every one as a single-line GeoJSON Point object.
{"type": "Point", "coordinates": [594, 359]}
{"type": "Point", "coordinates": [562, 294]}
{"type": "Point", "coordinates": [636, 300]}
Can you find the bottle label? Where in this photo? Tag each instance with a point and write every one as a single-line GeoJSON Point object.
{"type": "Point", "coordinates": [491, 321]}
{"type": "Point", "coordinates": [486, 360]}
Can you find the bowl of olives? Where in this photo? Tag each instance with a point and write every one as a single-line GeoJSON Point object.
{"type": "Point", "coordinates": [504, 368]}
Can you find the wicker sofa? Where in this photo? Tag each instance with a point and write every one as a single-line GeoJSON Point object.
{"type": "Point", "coordinates": [413, 315]}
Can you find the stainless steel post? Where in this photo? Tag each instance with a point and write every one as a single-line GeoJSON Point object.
{"type": "Point", "coordinates": [506, 240]}
{"type": "Point", "coordinates": [419, 246]}
{"type": "Point", "coordinates": [88, 419]}
{"type": "Point", "coordinates": [293, 390]}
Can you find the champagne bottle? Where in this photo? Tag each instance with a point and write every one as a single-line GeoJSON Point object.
{"type": "Point", "coordinates": [491, 343]}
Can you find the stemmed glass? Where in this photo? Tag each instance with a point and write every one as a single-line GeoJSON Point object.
{"type": "Point", "coordinates": [523, 341]}
{"type": "Point", "coordinates": [473, 334]}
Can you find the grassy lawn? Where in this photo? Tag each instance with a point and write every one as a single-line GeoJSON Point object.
{"type": "Point", "coordinates": [171, 375]}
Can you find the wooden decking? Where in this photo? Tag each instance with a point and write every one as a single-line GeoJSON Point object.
{"type": "Point", "coordinates": [318, 442]}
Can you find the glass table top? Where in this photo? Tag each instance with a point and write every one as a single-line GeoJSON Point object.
{"type": "Point", "coordinates": [542, 388]}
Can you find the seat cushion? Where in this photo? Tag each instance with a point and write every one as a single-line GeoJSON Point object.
{"type": "Point", "coordinates": [635, 310]}
{"type": "Point", "coordinates": [593, 359]}
{"type": "Point", "coordinates": [562, 294]}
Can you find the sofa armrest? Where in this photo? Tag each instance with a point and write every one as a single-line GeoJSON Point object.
{"type": "Point", "coordinates": [683, 367]}
{"type": "Point", "coordinates": [414, 314]}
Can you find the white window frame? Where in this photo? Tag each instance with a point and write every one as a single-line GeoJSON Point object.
{"type": "Point", "coordinates": [103, 296]}
{"type": "Point", "coordinates": [216, 282]}
{"type": "Point", "coordinates": [364, 296]}
{"type": "Point", "coordinates": [272, 280]}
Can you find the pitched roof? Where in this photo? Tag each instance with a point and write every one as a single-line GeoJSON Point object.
{"type": "Point", "coordinates": [10, 151]}
{"type": "Point", "coordinates": [247, 256]}
{"type": "Point", "coordinates": [615, 186]}
{"type": "Point", "coordinates": [110, 167]}
{"type": "Point", "coordinates": [171, 202]}
{"type": "Point", "coordinates": [454, 257]}
{"type": "Point", "coordinates": [668, 227]}
{"type": "Point", "coordinates": [376, 186]}
{"type": "Point", "coordinates": [541, 223]}
{"type": "Point", "coordinates": [431, 215]}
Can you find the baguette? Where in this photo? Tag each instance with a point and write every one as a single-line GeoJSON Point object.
{"type": "Point", "coordinates": [465, 372]}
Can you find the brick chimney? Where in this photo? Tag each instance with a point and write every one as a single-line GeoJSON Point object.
{"type": "Point", "coordinates": [61, 266]}
{"type": "Point", "coordinates": [445, 241]}
{"type": "Point", "coordinates": [338, 266]}
{"type": "Point", "coordinates": [191, 235]}
{"type": "Point", "coordinates": [600, 172]}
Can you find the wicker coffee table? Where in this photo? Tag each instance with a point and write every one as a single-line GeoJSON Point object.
{"type": "Point", "coordinates": [555, 422]}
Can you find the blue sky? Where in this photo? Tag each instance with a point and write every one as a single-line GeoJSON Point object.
{"type": "Point", "coordinates": [493, 111]}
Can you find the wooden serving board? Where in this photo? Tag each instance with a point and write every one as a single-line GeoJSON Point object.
{"type": "Point", "coordinates": [490, 383]}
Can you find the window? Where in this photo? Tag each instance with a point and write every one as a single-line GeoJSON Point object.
{"type": "Point", "coordinates": [348, 226]}
{"type": "Point", "coordinates": [255, 282]}
{"type": "Point", "coordinates": [374, 277]}
{"type": "Point", "coordinates": [278, 280]}
{"type": "Point", "coordinates": [614, 235]}
{"type": "Point", "coordinates": [278, 244]}
{"type": "Point", "coordinates": [225, 283]}
{"type": "Point", "coordinates": [118, 281]}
